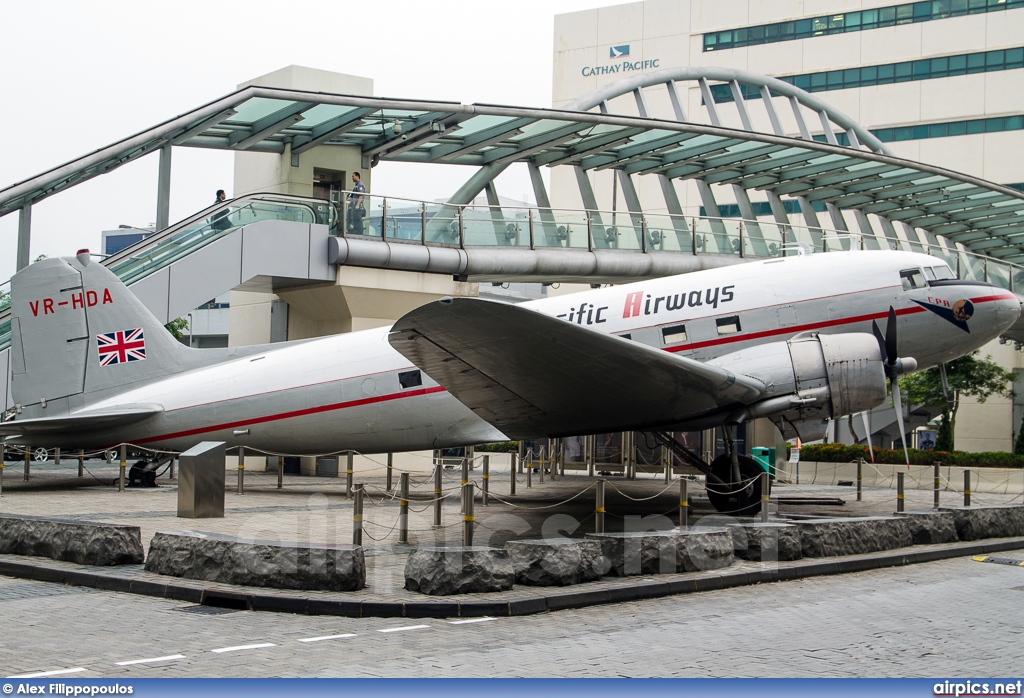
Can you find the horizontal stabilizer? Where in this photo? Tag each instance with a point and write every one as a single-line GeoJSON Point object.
{"type": "Point", "coordinates": [531, 375]}
{"type": "Point", "coordinates": [79, 421]}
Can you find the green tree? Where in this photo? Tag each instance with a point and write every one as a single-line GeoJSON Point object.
{"type": "Point", "coordinates": [1018, 445]}
{"type": "Point", "coordinates": [177, 328]}
{"type": "Point", "coordinates": [967, 376]}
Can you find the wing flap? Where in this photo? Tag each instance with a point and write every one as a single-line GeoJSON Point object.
{"type": "Point", "coordinates": [531, 375]}
{"type": "Point", "coordinates": [79, 421]}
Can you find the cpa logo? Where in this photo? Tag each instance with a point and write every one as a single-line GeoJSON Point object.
{"type": "Point", "coordinates": [618, 51]}
{"type": "Point", "coordinates": [963, 310]}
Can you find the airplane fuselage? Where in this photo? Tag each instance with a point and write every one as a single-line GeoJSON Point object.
{"type": "Point", "coordinates": [354, 392]}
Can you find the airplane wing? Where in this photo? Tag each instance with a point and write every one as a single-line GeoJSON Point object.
{"type": "Point", "coordinates": [531, 375]}
{"type": "Point", "coordinates": [79, 421]}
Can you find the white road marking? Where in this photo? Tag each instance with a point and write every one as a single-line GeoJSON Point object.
{"type": "Point", "coordinates": [244, 647]}
{"type": "Point", "coordinates": [168, 658]}
{"type": "Point", "coordinates": [326, 637]}
{"type": "Point", "coordinates": [58, 672]}
{"type": "Point", "coordinates": [471, 620]}
{"type": "Point", "coordinates": [405, 627]}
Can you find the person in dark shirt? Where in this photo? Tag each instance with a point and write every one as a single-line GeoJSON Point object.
{"type": "Point", "coordinates": [356, 208]}
{"type": "Point", "coordinates": [220, 219]}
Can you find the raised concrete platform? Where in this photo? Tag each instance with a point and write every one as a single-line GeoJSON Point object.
{"type": "Point", "coordinates": [664, 552]}
{"type": "Point", "coordinates": [865, 534]}
{"type": "Point", "coordinates": [220, 558]}
{"type": "Point", "coordinates": [931, 526]}
{"type": "Point", "coordinates": [458, 570]}
{"type": "Point", "coordinates": [559, 562]}
{"type": "Point", "coordinates": [766, 542]}
{"type": "Point", "coordinates": [974, 523]}
{"type": "Point", "coordinates": [82, 542]}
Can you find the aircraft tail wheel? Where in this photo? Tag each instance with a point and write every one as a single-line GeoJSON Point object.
{"type": "Point", "coordinates": [736, 499]}
{"type": "Point", "coordinates": [40, 455]}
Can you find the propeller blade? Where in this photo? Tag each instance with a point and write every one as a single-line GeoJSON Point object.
{"type": "Point", "coordinates": [891, 344]}
{"type": "Point", "coordinates": [881, 341]}
{"type": "Point", "coordinates": [897, 403]}
{"type": "Point", "coordinates": [866, 416]}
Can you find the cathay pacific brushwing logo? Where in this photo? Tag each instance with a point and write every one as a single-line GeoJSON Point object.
{"type": "Point", "coordinates": [618, 51]}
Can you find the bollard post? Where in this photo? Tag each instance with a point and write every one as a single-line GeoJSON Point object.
{"type": "Point", "coordinates": [241, 470]}
{"type": "Point", "coordinates": [967, 488]}
{"type": "Point", "coordinates": [280, 472]}
{"type": "Point", "coordinates": [28, 461]}
{"type": "Point", "coordinates": [668, 465]}
{"type": "Point", "coordinates": [764, 497]}
{"type": "Point", "coordinates": [465, 479]}
{"type": "Point", "coordinates": [81, 463]}
{"type": "Point", "coordinates": [170, 470]}
{"type": "Point", "coordinates": [123, 455]}
{"type": "Point", "coordinates": [56, 457]}
{"type": "Point", "coordinates": [684, 504]}
{"type": "Point", "coordinates": [357, 516]}
{"type": "Point", "coordinates": [437, 493]}
{"type": "Point", "coordinates": [485, 479]}
{"type": "Point", "coordinates": [467, 518]}
{"type": "Point", "coordinates": [513, 460]}
{"type": "Point", "coordinates": [403, 508]}
{"type": "Point", "coordinates": [599, 507]}
{"type": "Point", "coordinates": [543, 462]}
{"type": "Point", "coordinates": [391, 467]}
{"type": "Point", "coordinates": [349, 471]}
{"type": "Point", "coordinates": [106, 454]}
{"type": "Point", "coordinates": [529, 468]}
{"type": "Point", "coordinates": [899, 492]}
{"type": "Point", "coordinates": [936, 483]}
{"type": "Point", "coordinates": [2, 456]}
{"type": "Point", "coordinates": [860, 479]}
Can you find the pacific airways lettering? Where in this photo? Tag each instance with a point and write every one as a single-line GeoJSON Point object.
{"type": "Point", "coordinates": [47, 306]}
{"type": "Point", "coordinates": [586, 314]}
{"type": "Point", "coordinates": [640, 303]}
{"type": "Point", "coordinates": [624, 67]}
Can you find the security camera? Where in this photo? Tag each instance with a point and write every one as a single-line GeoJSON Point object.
{"type": "Point", "coordinates": [397, 128]}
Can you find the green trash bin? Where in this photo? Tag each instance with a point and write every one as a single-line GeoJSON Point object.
{"type": "Point", "coordinates": [765, 457]}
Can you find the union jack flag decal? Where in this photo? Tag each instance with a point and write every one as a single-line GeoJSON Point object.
{"type": "Point", "coordinates": [121, 347]}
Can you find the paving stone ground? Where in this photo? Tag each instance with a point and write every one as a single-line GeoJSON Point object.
{"type": "Point", "coordinates": [954, 617]}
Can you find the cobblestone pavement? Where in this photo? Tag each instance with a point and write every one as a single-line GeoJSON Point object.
{"type": "Point", "coordinates": [950, 618]}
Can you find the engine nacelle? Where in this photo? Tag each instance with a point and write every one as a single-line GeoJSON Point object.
{"type": "Point", "coordinates": [811, 378]}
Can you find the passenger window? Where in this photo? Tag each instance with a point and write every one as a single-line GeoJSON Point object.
{"type": "Point", "coordinates": [674, 334]}
{"type": "Point", "coordinates": [410, 379]}
{"type": "Point", "coordinates": [912, 278]}
{"type": "Point", "coordinates": [728, 325]}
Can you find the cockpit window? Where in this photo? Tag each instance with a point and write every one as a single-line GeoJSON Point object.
{"type": "Point", "coordinates": [941, 272]}
{"type": "Point", "coordinates": [912, 278]}
{"type": "Point", "coordinates": [929, 273]}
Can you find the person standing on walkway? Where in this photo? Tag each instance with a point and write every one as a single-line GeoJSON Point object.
{"type": "Point", "coordinates": [356, 206]}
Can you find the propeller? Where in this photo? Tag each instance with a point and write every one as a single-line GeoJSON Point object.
{"type": "Point", "coordinates": [894, 367]}
{"type": "Point", "coordinates": [866, 416]}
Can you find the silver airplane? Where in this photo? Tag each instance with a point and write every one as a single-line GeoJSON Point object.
{"type": "Point", "coordinates": [796, 340]}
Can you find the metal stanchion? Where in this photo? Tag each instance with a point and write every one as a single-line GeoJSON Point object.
{"type": "Point", "coordinates": [81, 464]}
{"type": "Point", "coordinates": [437, 492]}
{"type": "Point", "coordinates": [668, 465]}
{"type": "Point", "coordinates": [357, 516]}
{"type": "Point", "coordinates": [280, 472]}
{"type": "Point", "coordinates": [2, 455]}
{"type": "Point", "coordinates": [106, 454]}
{"type": "Point", "coordinates": [123, 455]}
{"type": "Point", "coordinates": [403, 508]}
{"type": "Point", "coordinates": [543, 462]}
{"type": "Point", "coordinates": [467, 518]}
{"type": "Point", "coordinates": [860, 479]}
{"type": "Point", "coordinates": [764, 497]}
{"type": "Point", "coordinates": [241, 470]}
{"type": "Point", "coordinates": [513, 460]}
{"type": "Point", "coordinates": [485, 479]}
{"type": "Point", "coordinates": [28, 461]}
{"type": "Point", "coordinates": [684, 503]}
{"type": "Point", "coordinates": [967, 488]}
{"type": "Point", "coordinates": [465, 479]}
{"type": "Point", "coordinates": [599, 507]}
{"type": "Point", "coordinates": [170, 470]}
{"type": "Point", "coordinates": [591, 446]}
{"type": "Point", "coordinates": [391, 469]}
{"type": "Point", "coordinates": [56, 457]}
{"type": "Point", "coordinates": [529, 468]}
{"type": "Point", "coordinates": [349, 471]}
{"type": "Point", "coordinates": [899, 491]}
{"type": "Point", "coordinates": [936, 484]}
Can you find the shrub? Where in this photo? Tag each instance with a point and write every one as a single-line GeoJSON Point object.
{"type": "Point", "coordinates": [840, 453]}
{"type": "Point", "coordinates": [500, 447]}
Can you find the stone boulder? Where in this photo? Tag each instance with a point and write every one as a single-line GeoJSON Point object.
{"type": "Point", "coordinates": [928, 527]}
{"type": "Point", "coordinates": [852, 536]}
{"type": "Point", "coordinates": [278, 565]}
{"type": "Point", "coordinates": [664, 552]}
{"type": "Point", "coordinates": [89, 543]}
{"type": "Point", "coordinates": [766, 542]}
{"type": "Point", "coordinates": [973, 523]}
{"type": "Point", "coordinates": [556, 562]}
{"type": "Point", "coordinates": [457, 570]}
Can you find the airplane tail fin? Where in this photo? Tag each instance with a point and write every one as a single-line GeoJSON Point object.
{"type": "Point", "coordinates": [78, 331]}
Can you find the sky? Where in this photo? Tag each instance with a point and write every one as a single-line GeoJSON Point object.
{"type": "Point", "coordinates": [80, 75]}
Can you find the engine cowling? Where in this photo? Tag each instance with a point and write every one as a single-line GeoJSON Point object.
{"type": "Point", "coordinates": [811, 378]}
